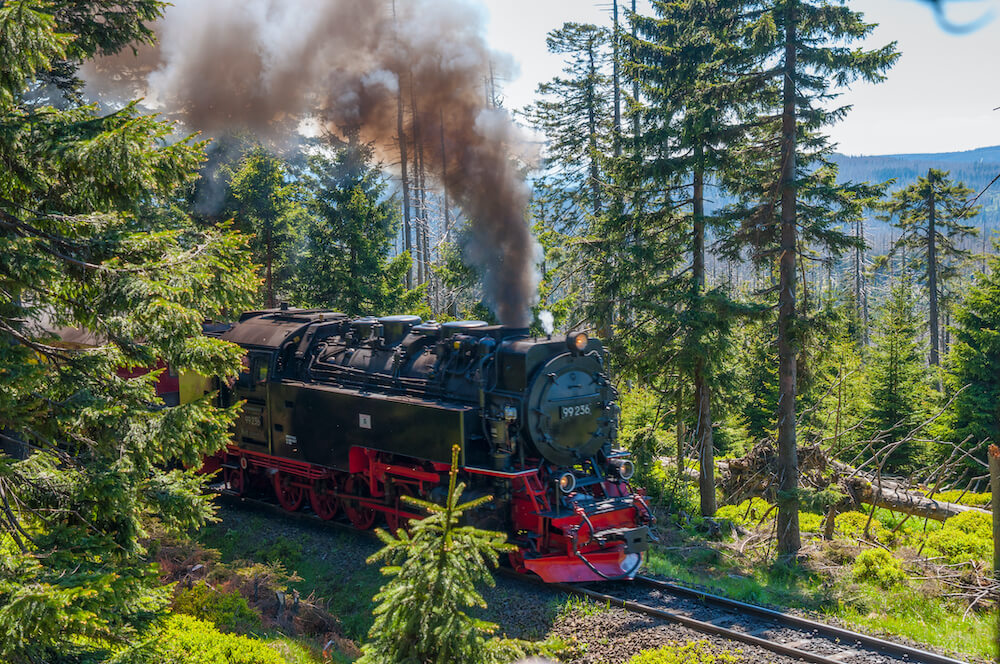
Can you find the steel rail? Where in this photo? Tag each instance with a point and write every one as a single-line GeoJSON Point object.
{"type": "Point", "coordinates": [856, 644]}
{"type": "Point", "coordinates": [872, 642]}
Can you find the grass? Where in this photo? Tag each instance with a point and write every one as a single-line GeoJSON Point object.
{"type": "Point", "coordinates": [910, 612]}
{"type": "Point", "coordinates": [583, 606]}
{"type": "Point", "coordinates": [327, 564]}
{"type": "Point", "coordinates": [823, 585]}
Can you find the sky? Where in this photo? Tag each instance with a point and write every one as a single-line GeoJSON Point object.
{"type": "Point", "coordinates": [940, 96]}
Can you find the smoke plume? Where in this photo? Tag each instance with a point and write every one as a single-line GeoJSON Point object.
{"type": "Point", "coordinates": [268, 64]}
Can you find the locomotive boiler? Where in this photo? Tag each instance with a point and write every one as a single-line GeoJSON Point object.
{"type": "Point", "coordinates": [352, 414]}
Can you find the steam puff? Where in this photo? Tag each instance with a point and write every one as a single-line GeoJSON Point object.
{"type": "Point", "coordinates": [268, 64]}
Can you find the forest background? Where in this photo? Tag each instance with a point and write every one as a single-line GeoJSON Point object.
{"type": "Point", "coordinates": [755, 289]}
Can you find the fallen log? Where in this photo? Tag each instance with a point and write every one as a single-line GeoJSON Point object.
{"type": "Point", "coordinates": [753, 475]}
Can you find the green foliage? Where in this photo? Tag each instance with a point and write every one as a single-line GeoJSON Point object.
{"type": "Point", "coordinates": [758, 380]}
{"type": "Point", "coordinates": [264, 203]}
{"type": "Point", "coordinates": [975, 361]}
{"type": "Point", "coordinates": [897, 377]}
{"type": "Point", "coordinates": [879, 567]}
{"type": "Point", "coordinates": [692, 652]}
{"type": "Point", "coordinates": [810, 522]}
{"type": "Point", "coordinates": [852, 525]}
{"type": "Point", "coordinates": [963, 538]}
{"type": "Point", "coordinates": [343, 259]}
{"type": "Point", "coordinates": [748, 514]}
{"type": "Point", "coordinates": [434, 573]}
{"type": "Point", "coordinates": [187, 640]}
{"type": "Point", "coordinates": [92, 239]}
{"type": "Point", "coordinates": [962, 497]}
{"type": "Point", "coordinates": [227, 610]}
{"type": "Point", "coordinates": [282, 551]}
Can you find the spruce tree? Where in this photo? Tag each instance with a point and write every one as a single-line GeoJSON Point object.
{"type": "Point", "coordinates": [262, 201]}
{"type": "Point", "coordinates": [92, 240]}
{"type": "Point", "coordinates": [975, 364]}
{"type": "Point", "coordinates": [434, 571]}
{"type": "Point", "coordinates": [786, 204]}
{"type": "Point", "coordinates": [694, 78]}
{"type": "Point", "coordinates": [896, 375]}
{"type": "Point", "coordinates": [573, 113]}
{"type": "Point", "coordinates": [930, 213]}
{"type": "Point", "coordinates": [342, 260]}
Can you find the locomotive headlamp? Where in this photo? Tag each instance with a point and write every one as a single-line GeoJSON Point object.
{"type": "Point", "coordinates": [567, 482]}
{"type": "Point", "coordinates": [578, 341]}
{"type": "Point", "coordinates": [625, 468]}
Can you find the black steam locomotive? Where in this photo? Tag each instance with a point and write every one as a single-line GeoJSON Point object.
{"type": "Point", "coordinates": [353, 414]}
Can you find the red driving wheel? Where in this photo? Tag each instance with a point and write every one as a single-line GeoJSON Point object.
{"type": "Point", "coordinates": [360, 516]}
{"type": "Point", "coordinates": [236, 480]}
{"type": "Point", "coordinates": [393, 520]}
{"type": "Point", "coordinates": [324, 500]}
{"type": "Point", "coordinates": [290, 495]}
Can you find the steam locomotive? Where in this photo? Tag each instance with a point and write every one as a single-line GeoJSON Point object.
{"type": "Point", "coordinates": [353, 414]}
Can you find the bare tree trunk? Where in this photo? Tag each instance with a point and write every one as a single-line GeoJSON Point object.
{"type": "Point", "coordinates": [636, 125]}
{"type": "Point", "coordinates": [616, 80]}
{"type": "Point", "coordinates": [679, 412]}
{"type": "Point", "coordinates": [702, 391]}
{"type": "Point", "coordinates": [444, 189]}
{"type": "Point", "coordinates": [401, 140]}
{"type": "Point", "coordinates": [789, 541]}
{"type": "Point", "coordinates": [269, 261]}
{"type": "Point", "coordinates": [591, 97]}
{"type": "Point", "coordinates": [994, 462]}
{"type": "Point", "coordinates": [932, 271]}
{"type": "Point", "coordinates": [864, 292]}
{"type": "Point", "coordinates": [421, 213]}
{"type": "Point", "coordinates": [407, 230]}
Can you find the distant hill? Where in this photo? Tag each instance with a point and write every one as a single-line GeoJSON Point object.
{"type": "Point", "coordinates": [975, 168]}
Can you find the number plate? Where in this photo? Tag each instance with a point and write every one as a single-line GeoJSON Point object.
{"type": "Point", "coordinates": [569, 412]}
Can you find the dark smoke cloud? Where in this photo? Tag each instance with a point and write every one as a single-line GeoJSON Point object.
{"type": "Point", "coordinates": [268, 64]}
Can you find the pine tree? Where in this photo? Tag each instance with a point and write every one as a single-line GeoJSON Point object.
{"type": "Point", "coordinates": [896, 375]}
{"type": "Point", "coordinates": [930, 213]}
{"type": "Point", "coordinates": [434, 572]}
{"type": "Point", "coordinates": [91, 240]}
{"type": "Point", "coordinates": [342, 261]}
{"type": "Point", "coordinates": [786, 203]}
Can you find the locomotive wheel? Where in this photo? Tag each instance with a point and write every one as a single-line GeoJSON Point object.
{"type": "Point", "coordinates": [236, 480]}
{"type": "Point", "coordinates": [324, 500]}
{"type": "Point", "coordinates": [393, 520]}
{"type": "Point", "coordinates": [289, 495]}
{"type": "Point", "coordinates": [361, 516]}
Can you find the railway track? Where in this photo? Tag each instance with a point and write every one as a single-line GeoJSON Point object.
{"type": "Point", "coordinates": [781, 633]}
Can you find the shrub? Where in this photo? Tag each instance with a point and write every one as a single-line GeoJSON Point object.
{"type": "Point", "coordinates": [809, 522]}
{"type": "Point", "coordinates": [747, 514]}
{"type": "Point", "coordinates": [878, 567]}
{"type": "Point", "coordinates": [852, 525]}
{"type": "Point", "coordinates": [692, 652]}
{"type": "Point", "coordinates": [963, 538]}
{"type": "Point", "coordinates": [228, 610]}
{"type": "Point", "coordinates": [187, 640]}
{"type": "Point", "coordinates": [970, 498]}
